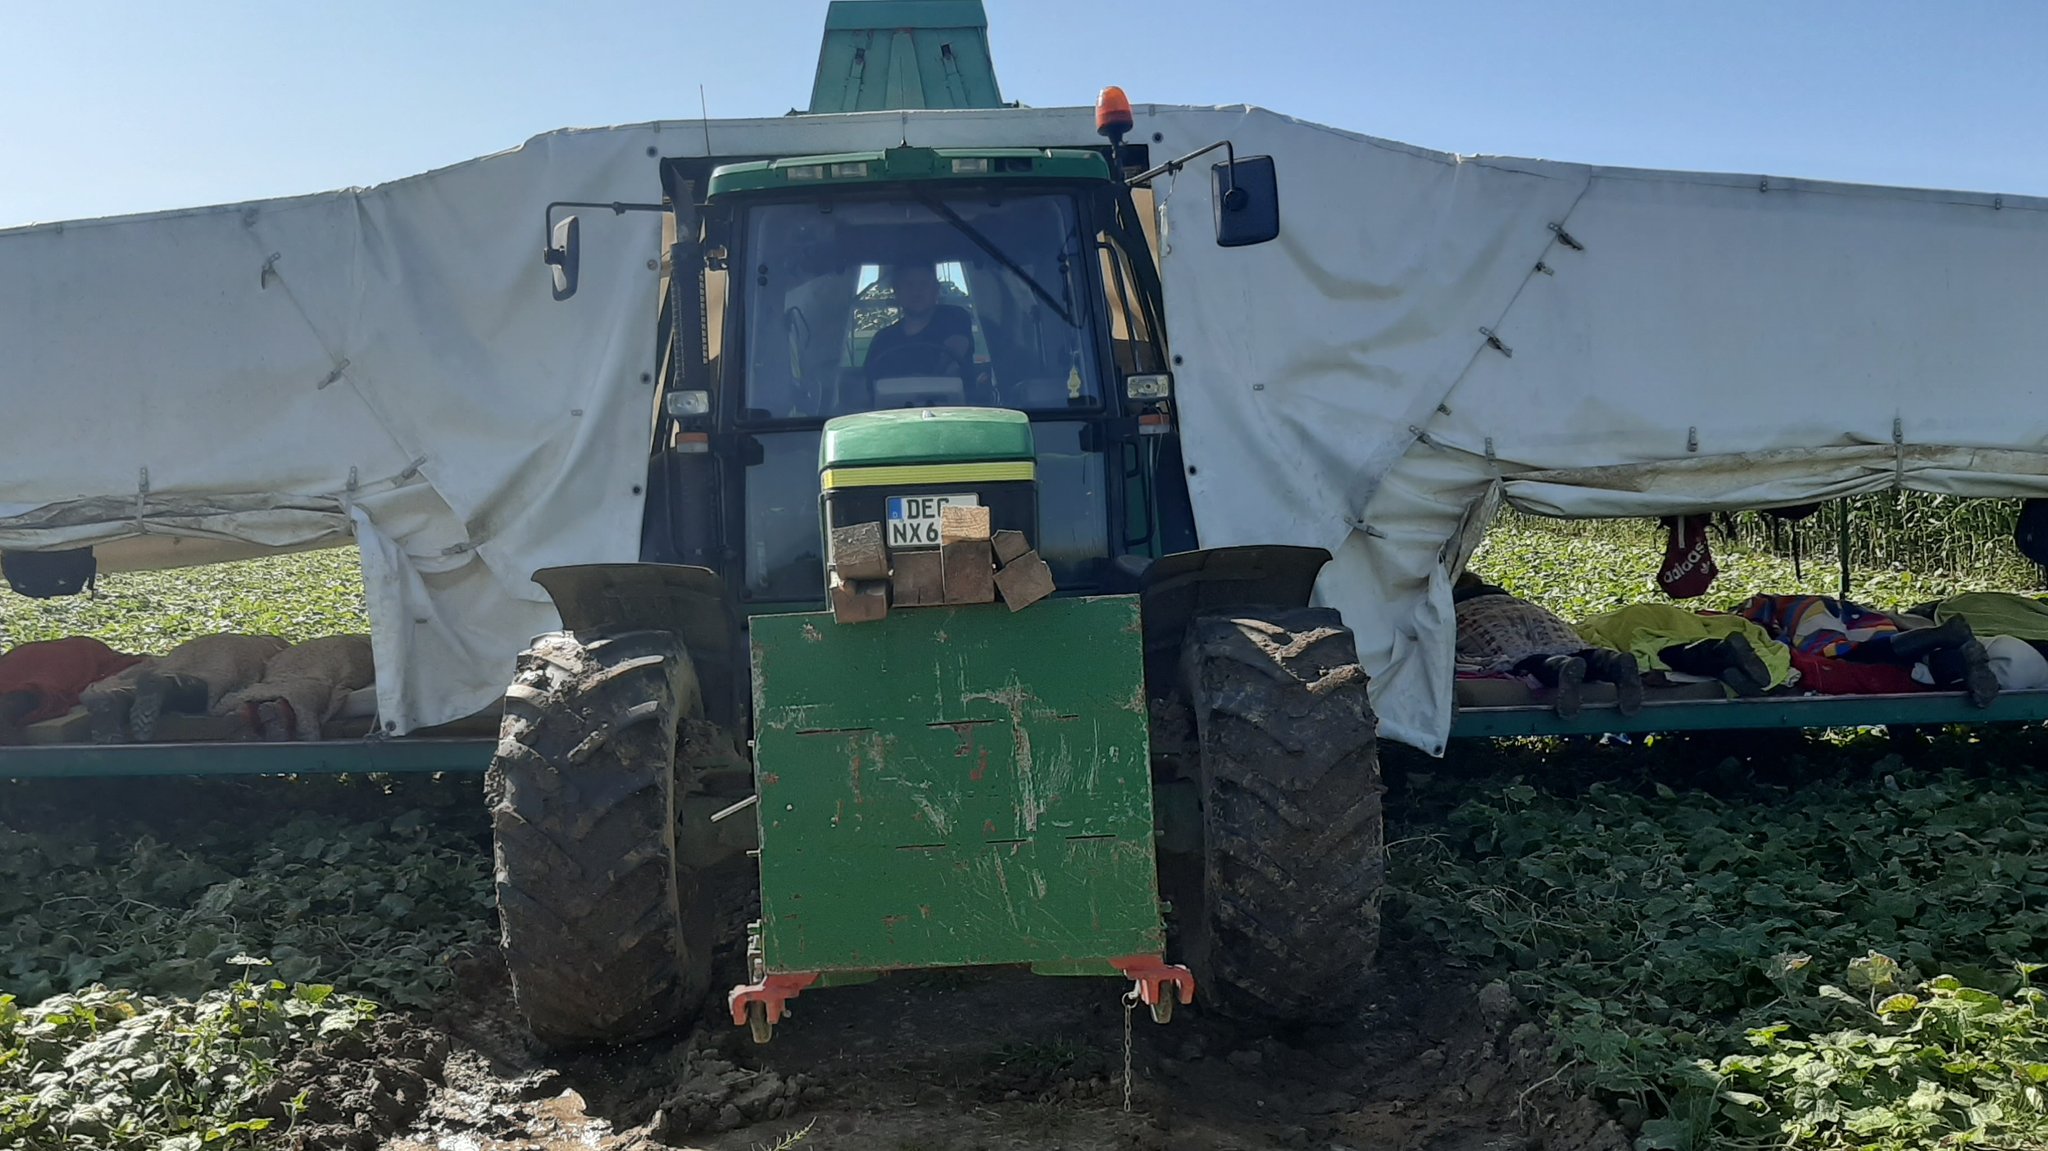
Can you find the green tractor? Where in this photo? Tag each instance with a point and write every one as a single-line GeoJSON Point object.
{"type": "Point", "coordinates": [869, 338]}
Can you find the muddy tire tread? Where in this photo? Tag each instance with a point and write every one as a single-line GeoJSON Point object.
{"type": "Point", "coordinates": [593, 909]}
{"type": "Point", "coordinates": [1294, 855]}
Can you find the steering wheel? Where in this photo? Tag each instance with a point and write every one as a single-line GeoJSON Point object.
{"type": "Point", "coordinates": [933, 356]}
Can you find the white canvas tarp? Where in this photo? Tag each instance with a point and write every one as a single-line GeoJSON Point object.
{"type": "Point", "coordinates": [1429, 333]}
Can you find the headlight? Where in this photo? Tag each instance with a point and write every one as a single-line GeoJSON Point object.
{"type": "Point", "coordinates": [682, 405]}
{"type": "Point", "coordinates": [1149, 387]}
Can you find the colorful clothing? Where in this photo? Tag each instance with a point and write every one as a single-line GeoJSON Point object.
{"type": "Point", "coordinates": [1830, 675]}
{"type": "Point", "coordinates": [1816, 625]}
{"type": "Point", "coordinates": [1498, 632]}
{"type": "Point", "coordinates": [1646, 629]}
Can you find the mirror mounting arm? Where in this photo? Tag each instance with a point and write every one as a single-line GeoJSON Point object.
{"type": "Point", "coordinates": [618, 208]}
{"type": "Point", "coordinates": [1173, 166]}
{"type": "Point", "coordinates": [559, 246]}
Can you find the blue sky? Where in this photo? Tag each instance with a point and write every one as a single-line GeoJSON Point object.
{"type": "Point", "coordinates": [108, 108]}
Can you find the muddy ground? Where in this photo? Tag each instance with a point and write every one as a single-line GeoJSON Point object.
{"type": "Point", "coordinates": [993, 1061]}
{"type": "Point", "coordinates": [1437, 1059]}
{"type": "Point", "coordinates": [1007, 1061]}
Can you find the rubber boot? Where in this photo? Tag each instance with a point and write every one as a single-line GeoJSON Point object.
{"type": "Point", "coordinates": [1910, 647]}
{"type": "Point", "coordinates": [1620, 669]}
{"type": "Point", "coordinates": [1569, 672]}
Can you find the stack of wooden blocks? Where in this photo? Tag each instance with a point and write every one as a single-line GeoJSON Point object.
{"type": "Point", "coordinates": [971, 565]}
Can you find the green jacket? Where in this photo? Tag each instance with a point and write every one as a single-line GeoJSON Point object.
{"type": "Point", "coordinates": [1646, 629]}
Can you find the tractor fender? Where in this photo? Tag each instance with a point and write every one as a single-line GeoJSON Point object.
{"type": "Point", "coordinates": [1177, 588]}
{"type": "Point", "coordinates": [693, 603]}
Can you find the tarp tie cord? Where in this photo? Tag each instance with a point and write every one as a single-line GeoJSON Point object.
{"type": "Point", "coordinates": [1898, 453]}
{"type": "Point", "coordinates": [348, 500]}
{"type": "Point", "coordinates": [268, 273]}
{"type": "Point", "coordinates": [1565, 237]}
{"type": "Point", "coordinates": [340, 366]}
{"type": "Point", "coordinates": [1692, 438]}
{"type": "Point", "coordinates": [141, 499]}
{"type": "Point", "coordinates": [1546, 269]}
{"type": "Point", "coordinates": [1421, 436]}
{"type": "Point", "coordinates": [1493, 341]}
{"type": "Point", "coordinates": [1359, 525]}
{"type": "Point", "coordinates": [1492, 461]}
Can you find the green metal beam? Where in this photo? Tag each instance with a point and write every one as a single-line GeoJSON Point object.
{"type": "Point", "coordinates": [887, 55]}
{"type": "Point", "coordinates": [339, 757]}
{"type": "Point", "coordinates": [1803, 711]}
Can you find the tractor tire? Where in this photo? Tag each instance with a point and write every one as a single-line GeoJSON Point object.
{"type": "Point", "coordinates": [604, 935]}
{"type": "Point", "coordinates": [1293, 852]}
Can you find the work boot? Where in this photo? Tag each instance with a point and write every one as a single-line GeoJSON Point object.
{"type": "Point", "coordinates": [1620, 669]}
{"type": "Point", "coordinates": [1913, 645]}
{"type": "Point", "coordinates": [1732, 661]}
{"type": "Point", "coordinates": [1743, 658]}
{"type": "Point", "coordinates": [1978, 678]}
{"type": "Point", "coordinates": [107, 715]}
{"type": "Point", "coordinates": [156, 694]}
{"type": "Point", "coordinates": [1967, 666]}
{"type": "Point", "coordinates": [1569, 674]}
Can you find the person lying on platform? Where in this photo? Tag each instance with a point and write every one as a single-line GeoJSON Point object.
{"type": "Point", "coordinates": [1499, 632]}
{"type": "Point", "coordinates": [1843, 648]}
{"type": "Point", "coordinates": [43, 680]}
{"type": "Point", "coordinates": [1706, 645]}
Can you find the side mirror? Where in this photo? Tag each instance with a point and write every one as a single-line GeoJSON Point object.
{"type": "Point", "coordinates": [561, 256]}
{"type": "Point", "coordinates": [1246, 194]}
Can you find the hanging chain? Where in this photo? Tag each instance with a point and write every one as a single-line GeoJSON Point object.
{"type": "Point", "coordinates": [1130, 1005]}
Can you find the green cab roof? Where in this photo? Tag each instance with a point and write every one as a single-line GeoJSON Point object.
{"type": "Point", "coordinates": [926, 436]}
{"type": "Point", "coordinates": [898, 165]}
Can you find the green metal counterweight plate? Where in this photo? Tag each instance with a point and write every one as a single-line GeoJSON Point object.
{"type": "Point", "coordinates": [954, 786]}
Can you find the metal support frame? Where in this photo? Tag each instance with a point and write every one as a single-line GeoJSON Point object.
{"type": "Point", "coordinates": [336, 757]}
{"type": "Point", "coordinates": [1842, 546]}
{"type": "Point", "coordinates": [1933, 708]}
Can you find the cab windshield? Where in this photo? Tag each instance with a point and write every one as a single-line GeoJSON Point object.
{"type": "Point", "coordinates": [855, 305]}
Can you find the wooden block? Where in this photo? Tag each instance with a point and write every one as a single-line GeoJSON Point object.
{"type": "Point", "coordinates": [960, 523]}
{"type": "Point", "coordinates": [1010, 545]}
{"type": "Point", "coordinates": [74, 726]}
{"type": "Point", "coordinates": [970, 572]}
{"type": "Point", "coordinates": [858, 601]}
{"type": "Point", "coordinates": [858, 552]}
{"type": "Point", "coordinates": [919, 580]}
{"type": "Point", "coordinates": [1024, 581]}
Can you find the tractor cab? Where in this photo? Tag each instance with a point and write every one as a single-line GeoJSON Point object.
{"type": "Point", "coordinates": [935, 280]}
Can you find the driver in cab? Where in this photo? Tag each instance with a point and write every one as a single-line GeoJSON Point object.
{"type": "Point", "coordinates": [929, 338]}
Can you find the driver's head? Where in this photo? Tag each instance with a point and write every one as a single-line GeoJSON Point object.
{"type": "Point", "coordinates": [916, 287]}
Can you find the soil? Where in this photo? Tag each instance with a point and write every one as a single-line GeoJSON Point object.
{"type": "Point", "coordinates": [998, 1061]}
{"type": "Point", "coordinates": [1433, 1060]}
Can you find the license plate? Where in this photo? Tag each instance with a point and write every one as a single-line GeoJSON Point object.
{"type": "Point", "coordinates": [914, 520]}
